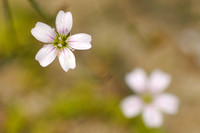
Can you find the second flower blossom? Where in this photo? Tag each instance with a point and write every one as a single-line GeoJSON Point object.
{"type": "Point", "coordinates": [150, 100]}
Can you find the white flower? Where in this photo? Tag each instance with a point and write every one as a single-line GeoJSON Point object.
{"type": "Point", "coordinates": [150, 99]}
{"type": "Point", "coordinates": [60, 43]}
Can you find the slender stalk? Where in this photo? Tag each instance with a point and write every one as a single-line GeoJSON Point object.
{"type": "Point", "coordinates": [8, 14]}
{"type": "Point", "coordinates": [10, 33]}
{"type": "Point", "coordinates": [35, 5]}
{"type": "Point", "coordinates": [9, 21]}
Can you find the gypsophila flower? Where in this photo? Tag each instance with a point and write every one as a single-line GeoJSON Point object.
{"type": "Point", "coordinates": [149, 99]}
{"type": "Point", "coordinates": [60, 43]}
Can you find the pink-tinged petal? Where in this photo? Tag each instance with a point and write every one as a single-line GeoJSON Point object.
{"type": "Point", "coordinates": [43, 33]}
{"type": "Point", "coordinates": [168, 103]}
{"type": "Point", "coordinates": [80, 37]}
{"type": "Point", "coordinates": [64, 22]}
{"type": "Point", "coordinates": [158, 81]}
{"type": "Point", "coordinates": [137, 80]}
{"type": "Point", "coordinates": [80, 41]}
{"type": "Point", "coordinates": [152, 117]}
{"type": "Point", "coordinates": [131, 106]}
{"type": "Point", "coordinates": [80, 45]}
{"type": "Point", "coordinates": [67, 59]}
{"type": "Point", "coordinates": [46, 55]}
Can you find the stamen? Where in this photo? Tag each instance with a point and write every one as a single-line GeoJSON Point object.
{"type": "Point", "coordinates": [72, 49]}
{"type": "Point", "coordinates": [61, 41]}
{"type": "Point", "coordinates": [59, 45]}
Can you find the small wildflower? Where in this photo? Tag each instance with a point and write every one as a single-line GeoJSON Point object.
{"type": "Point", "coordinates": [150, 99]}
{"type": "Point", "coordinates": [60, 43]}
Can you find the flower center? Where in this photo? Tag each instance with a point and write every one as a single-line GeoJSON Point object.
{"type": "Point", "coordinates": [61, 41]}
{"type": "Point", "coordinates": [147, 98]}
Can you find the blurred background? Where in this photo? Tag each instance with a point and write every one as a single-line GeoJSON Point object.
{"type": "Point", "coordinates": [126, 34]}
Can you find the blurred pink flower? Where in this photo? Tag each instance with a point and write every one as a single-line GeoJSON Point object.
{"type": "Point", "coordinates": [150, 99]}
{"type": "Point", "coordinates": [60, 43]}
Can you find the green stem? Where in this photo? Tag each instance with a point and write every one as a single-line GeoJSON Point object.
{"type": "Point", "coordinates": [8, 14]}
{"type": "Point", "coordinates": [35, 5]}
{"type": "Point", "coordinates": [9, 21]}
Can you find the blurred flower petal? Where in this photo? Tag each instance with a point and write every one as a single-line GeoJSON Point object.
{"type": "Point", "coordinates": [43, 33]}
{"type": "Point", "coordinates": [67, 59]}
{"type": "Point", "coordinates": [150, 100]}
{"type": "Point", "coordinates": [80, 41]}
{"type": "Point", "coordinates": [46, 55]}
{"type": "Point", "coordinates": [137, 80]}
{"type": "Point", "coordinates": [131, 106]}
{"type": "Point", "coordinates": [168, 103]}
{"type": "Point", "coordinates": [158, 81]}
{"type": "Point", "coordinates": [64, 22]}
{"type": "Point", "coordinates": [152, 117]}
